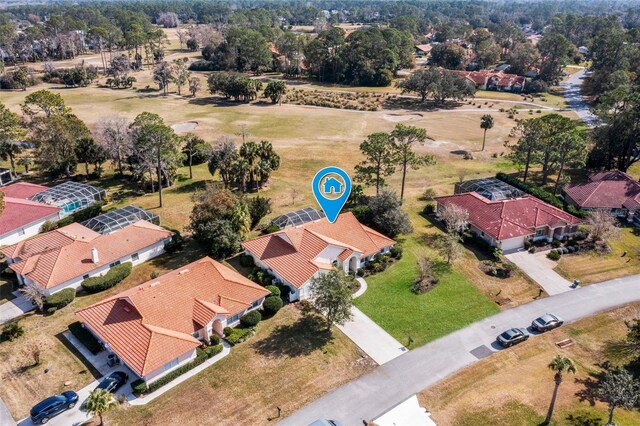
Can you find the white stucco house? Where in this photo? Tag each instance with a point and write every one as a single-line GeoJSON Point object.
{"type": "Point", "coordinates": [156, 327]}
{"type": "Point", "coordinates": [63, 258]}
{"type": "Point", "coordinates": [295, 255]}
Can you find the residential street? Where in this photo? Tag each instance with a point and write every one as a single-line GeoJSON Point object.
{"type": "Point", "coordinates": [373, 394]}
{"type": "Point", "coordinates": [574, 97]}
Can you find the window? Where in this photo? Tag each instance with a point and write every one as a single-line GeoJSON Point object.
{"type": "Point", "coordinates": [171, 364]}
{"type": "Point", "coordinates": [255, 304]}
{"type": "Point", "coordinates": [135, 257]}
{"type": "Point", "coordinates": [21, 231]}
{"type": "Point", "coordinates": [196, 334]}
{"type": "Point", "coordinates": [85, 276]}
{"type": "Point", "coordinates": [116, 263]}
{"type": "Point", "coordinates": [234, 318]}
{"type": "Point", "coordinates": [540, 232]}
{"type": "Point", "coordinates": [482, 233]}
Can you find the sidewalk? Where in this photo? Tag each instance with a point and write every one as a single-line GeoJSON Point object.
{"type": "Point", "coordinates": [14, 308]}
{"type": "Point", "coordinates": [540, 270]}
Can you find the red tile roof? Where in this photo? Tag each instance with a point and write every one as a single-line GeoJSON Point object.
{"type": "Point", "coordinates": [19, 212]}
{"type": "Point", "coordinates": [152, 324]}
{"type": "Point", "coordinates": [56, 257]}
{"type": "Point", "coordinates": [22, 190]}
{"type": "Point", "coordinates": [292, 252]}
{"type": "Point", "coordinates": [503, 219]}
{"type": "Point", "coordinates": [499, 79]}
{"type": "Point", "coordinates": [610, 190]}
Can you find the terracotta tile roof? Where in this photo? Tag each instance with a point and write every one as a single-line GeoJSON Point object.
{"type": "Point", "coordinates": [499, 79]}
{"type": "Point", "coordinates": [55, 257]}
{"type": "Point", "coordinates": [19, 212]}
{"type": "Point", "coordinates": [152, 324]}
{"type": "Point", "coordinates": [292, 252]}
{"type": "Point", "coordinates": [503, 219]}
{"type": "Point", "coordinates": [610, 190]}
{"type": "Point", "coordinates": [22, 190]}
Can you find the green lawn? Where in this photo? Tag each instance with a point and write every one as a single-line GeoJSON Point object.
{"type": "Point", "coordinates": [453, 304]}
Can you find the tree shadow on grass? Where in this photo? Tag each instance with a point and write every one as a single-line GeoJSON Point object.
{"type": "Point", "coordinates": [590, 384]}
{"type": "Point", "coordinates": [301, 338]}
{"type": "Point", "coordinates": [584, 419]}
{"type": "Point", "coordinates": [190, 187]}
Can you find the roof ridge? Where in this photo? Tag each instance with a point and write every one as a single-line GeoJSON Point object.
{"type": "Point", "coordinates": [235, 300]}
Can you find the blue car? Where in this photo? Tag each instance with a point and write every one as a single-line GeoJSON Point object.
{"type": "Point", "coordinates": [43, 411]}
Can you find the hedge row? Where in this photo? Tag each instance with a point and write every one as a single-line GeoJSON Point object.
{"type": "Point", "coordinates": [238, 335]}
{"type": "Point", "coordinates": [139, 386]}
{"type": "Point", "coordinates": [85, 336]}
{"type": "Point", "coordinates": [108, 280]}
{"type": "Point", "coordinates": [81, 215]}
{"type": "Point", "coordinates": [60, 299]}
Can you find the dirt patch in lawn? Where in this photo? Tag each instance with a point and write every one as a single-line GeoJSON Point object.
{"type": "Point", "coordinates": [184, 127]}
{"type": "Point", "coordinates": [399, 118]}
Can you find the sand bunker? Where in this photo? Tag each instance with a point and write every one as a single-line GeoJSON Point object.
{"type": "Point", "coordinates": [185, 126]}
{"type": "Point", "coordinates": [397, 118]}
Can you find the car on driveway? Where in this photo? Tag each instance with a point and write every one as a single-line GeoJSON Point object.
{"type": "Point", "coordinates": [513, 336]}
{"type": "Point", "coordinates": [546, 322]}
{"type": "Point", "coordinates": [113, 381]}
{"type": "Point", "coordinates": [44, 410]}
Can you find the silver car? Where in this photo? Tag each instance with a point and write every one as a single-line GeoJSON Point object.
{"type": "Point", "coordinates": [546, 322]}
{"type": "Point", "coordinates": [513, 336]}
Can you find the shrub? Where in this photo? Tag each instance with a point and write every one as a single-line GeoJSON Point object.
{"type": "Point", "coordinates": [555, 243]}
{"type": "Point", "coordinates": [85, 336]}
{"type": "Point", "coordinates": [200, 358]}
{"type": "Point", "coordinates": [8, 272]}
{"type": "Point", "coordinates": [532, 249]}
{"type": "Point", "coordinates": [11, 331]}
{"type": "Point", "coordinates": [213, 350]}
{"type": "Point", "coordinates": [250, 319]}
{"type": "Point", "coordinates": [175, 243]}
{"type": "Point", "coordinates": [60, 299]}
{"type": "Point", "coordinates": [139, 387]}
{"type": "Point", "coordinates": [396, 252]}
{"type": "Point", "coordinates": [108, 280]}
{"type": "Point", "coordinates": [247, 261]}
{"type": "Point", "coordinates": [214, 339]}
{"type": "Point", "coordinates": [272, 305]}
{"type": "Point", "coordinates": [553, 255]}
{"type": "Point", "coordinates": [275, 291]}
{"type": "Point", "coordinates": [48, 226]}
{"type": "Point", "coordinates": [202, 65]}
{"type": "Point", "coordinates": [360, 272]}
{"type": "Point", "coordinates": [572, 249]}
{"type": "Point", "coordinates": [239, 335]}
{"type": "Point", "coordinates": [527, 244]}
{"type": "Point", "coordinates": [270, 229]}
{"type": "Point", "coordinates": [227, 330]}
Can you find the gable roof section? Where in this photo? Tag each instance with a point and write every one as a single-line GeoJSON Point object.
{"type": "Point", "coordinates": [56, 257]}
{"type": "Point", "coordinates": [152, 324]}
{"type": "Point", "coordinates": [292, 252]}
{"type": "Point", "coordinates": [610, 190]}
{"type": "Point", "coordinates": [22, 190]}
{"type": "Point", "coordinates": [509, 218]}
{"type": "Point", "coordinates": [20, 212]}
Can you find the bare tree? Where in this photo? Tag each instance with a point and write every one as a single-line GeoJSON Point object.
{"type": "Point", "coordinates": [294, 194]}
{"type": "Point", "coordinates": [115, 138]}
{"type": "Point", "coordinates": [456, 218]}
{"type": "Point", "coordinates": [603, 225]}
{"type": "Point", "coordinates": [194, 85]}
{"type": "Point", "coordinates": [33, 350]}
{"type": "Point", "coordinates": [31, 292]}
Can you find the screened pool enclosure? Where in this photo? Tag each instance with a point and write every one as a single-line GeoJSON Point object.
{"type": "Point", "coordinates": [297, 218]}
{"type": "Point", "coordinates": [490, 188]}
{"type": "Point", "coordinates": [109, 222]}
{"type": "Point", "coordinates": [70, 196]}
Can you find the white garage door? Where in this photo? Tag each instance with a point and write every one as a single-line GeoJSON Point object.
{"type": "Point", "coordinates": [512, 244]}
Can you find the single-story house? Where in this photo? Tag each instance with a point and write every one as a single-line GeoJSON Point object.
{"type": "Point", "coordinates": [423, 49]}
{"type": "Point", "coordinates": [295, 255]}
{"type": "Point", "coordinates": [487, 80]}
{"type": "Point", "coordinates": [63, 258]}
{"type": "Point", "coordinates": [70, 196]}
{"type": "Point", "coordinates": [156, 327]}
{"type": "Point", "coordinates": [508, 223]}
{"type": "Point", "coordinates": [22, 218]}
{"type": "Point", "coordinates": [613, 190]}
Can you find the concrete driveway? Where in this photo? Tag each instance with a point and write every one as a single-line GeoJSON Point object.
{"type": "Point", "coordinates": [372, 338]}
{"type": "Point", "coordinates": [5, 415]}
{"type": "Point", "coordinates": [371, 395]}
{"type": "Point", "coordinates": [540, 269]}
{"type": "Point", "coordinates": [14, 308]}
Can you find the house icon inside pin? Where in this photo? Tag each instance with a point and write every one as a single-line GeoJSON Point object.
{"type": "Point", "coordinates": [332, 185]}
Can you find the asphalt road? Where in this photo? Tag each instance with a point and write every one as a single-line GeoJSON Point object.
{"type": "Point", "coordinates": [574, 98]}
{"type": "Point", "coordinates": [375, 393]}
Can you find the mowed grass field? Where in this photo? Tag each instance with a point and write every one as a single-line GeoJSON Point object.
{"type": "Point", "coordinates": [514, 386]}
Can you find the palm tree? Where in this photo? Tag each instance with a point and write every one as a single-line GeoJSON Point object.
{"type": "Point", "coordinates": [32, 292]}
{"type": "Point", "coordinates": [560, 364]}
{"type": "Point", "coordinates": [486, 123]}
{"type": "Point", "coordinates": [99, 402]}
{"type": "Point", "coordinates": [249, 151]}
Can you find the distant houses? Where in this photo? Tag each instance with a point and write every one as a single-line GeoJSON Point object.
{"type": "Point", "coordinates": [297, 254]}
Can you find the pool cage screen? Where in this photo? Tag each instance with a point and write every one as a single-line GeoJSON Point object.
{"type": "Point", "coordinates": [490, 188]}
{"type": "Point", "coordinates": [297, 218]}
{"type": "Point", "coordinates": [109, 222]}
{"type": "Point", "coordinates": [70, 196]}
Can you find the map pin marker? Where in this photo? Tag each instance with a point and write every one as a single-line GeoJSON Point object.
{"type": "Point", "coordinates": [331, 187]}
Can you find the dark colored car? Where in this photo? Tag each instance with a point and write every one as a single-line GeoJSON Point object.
{"type": "Point", "coordinates": [113, 381]}
{"type": "Point", "coordinates": [43, 411]}
{"type": "Point", "coordinates": [547, 322]}
{"type": "Point", "coordinates": [512, 337]}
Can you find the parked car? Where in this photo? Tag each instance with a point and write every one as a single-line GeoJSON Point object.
{"type": "Point", "coordinates": [43, 411]}
{"type": "Point", "coordinates": [513, 336]}
{"type": "Point", "coordinates": [325, 422]}
{"type": "Point", "coordinates": [547, 322]}
{"type": "Point", "coordinates": [113, 381]}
